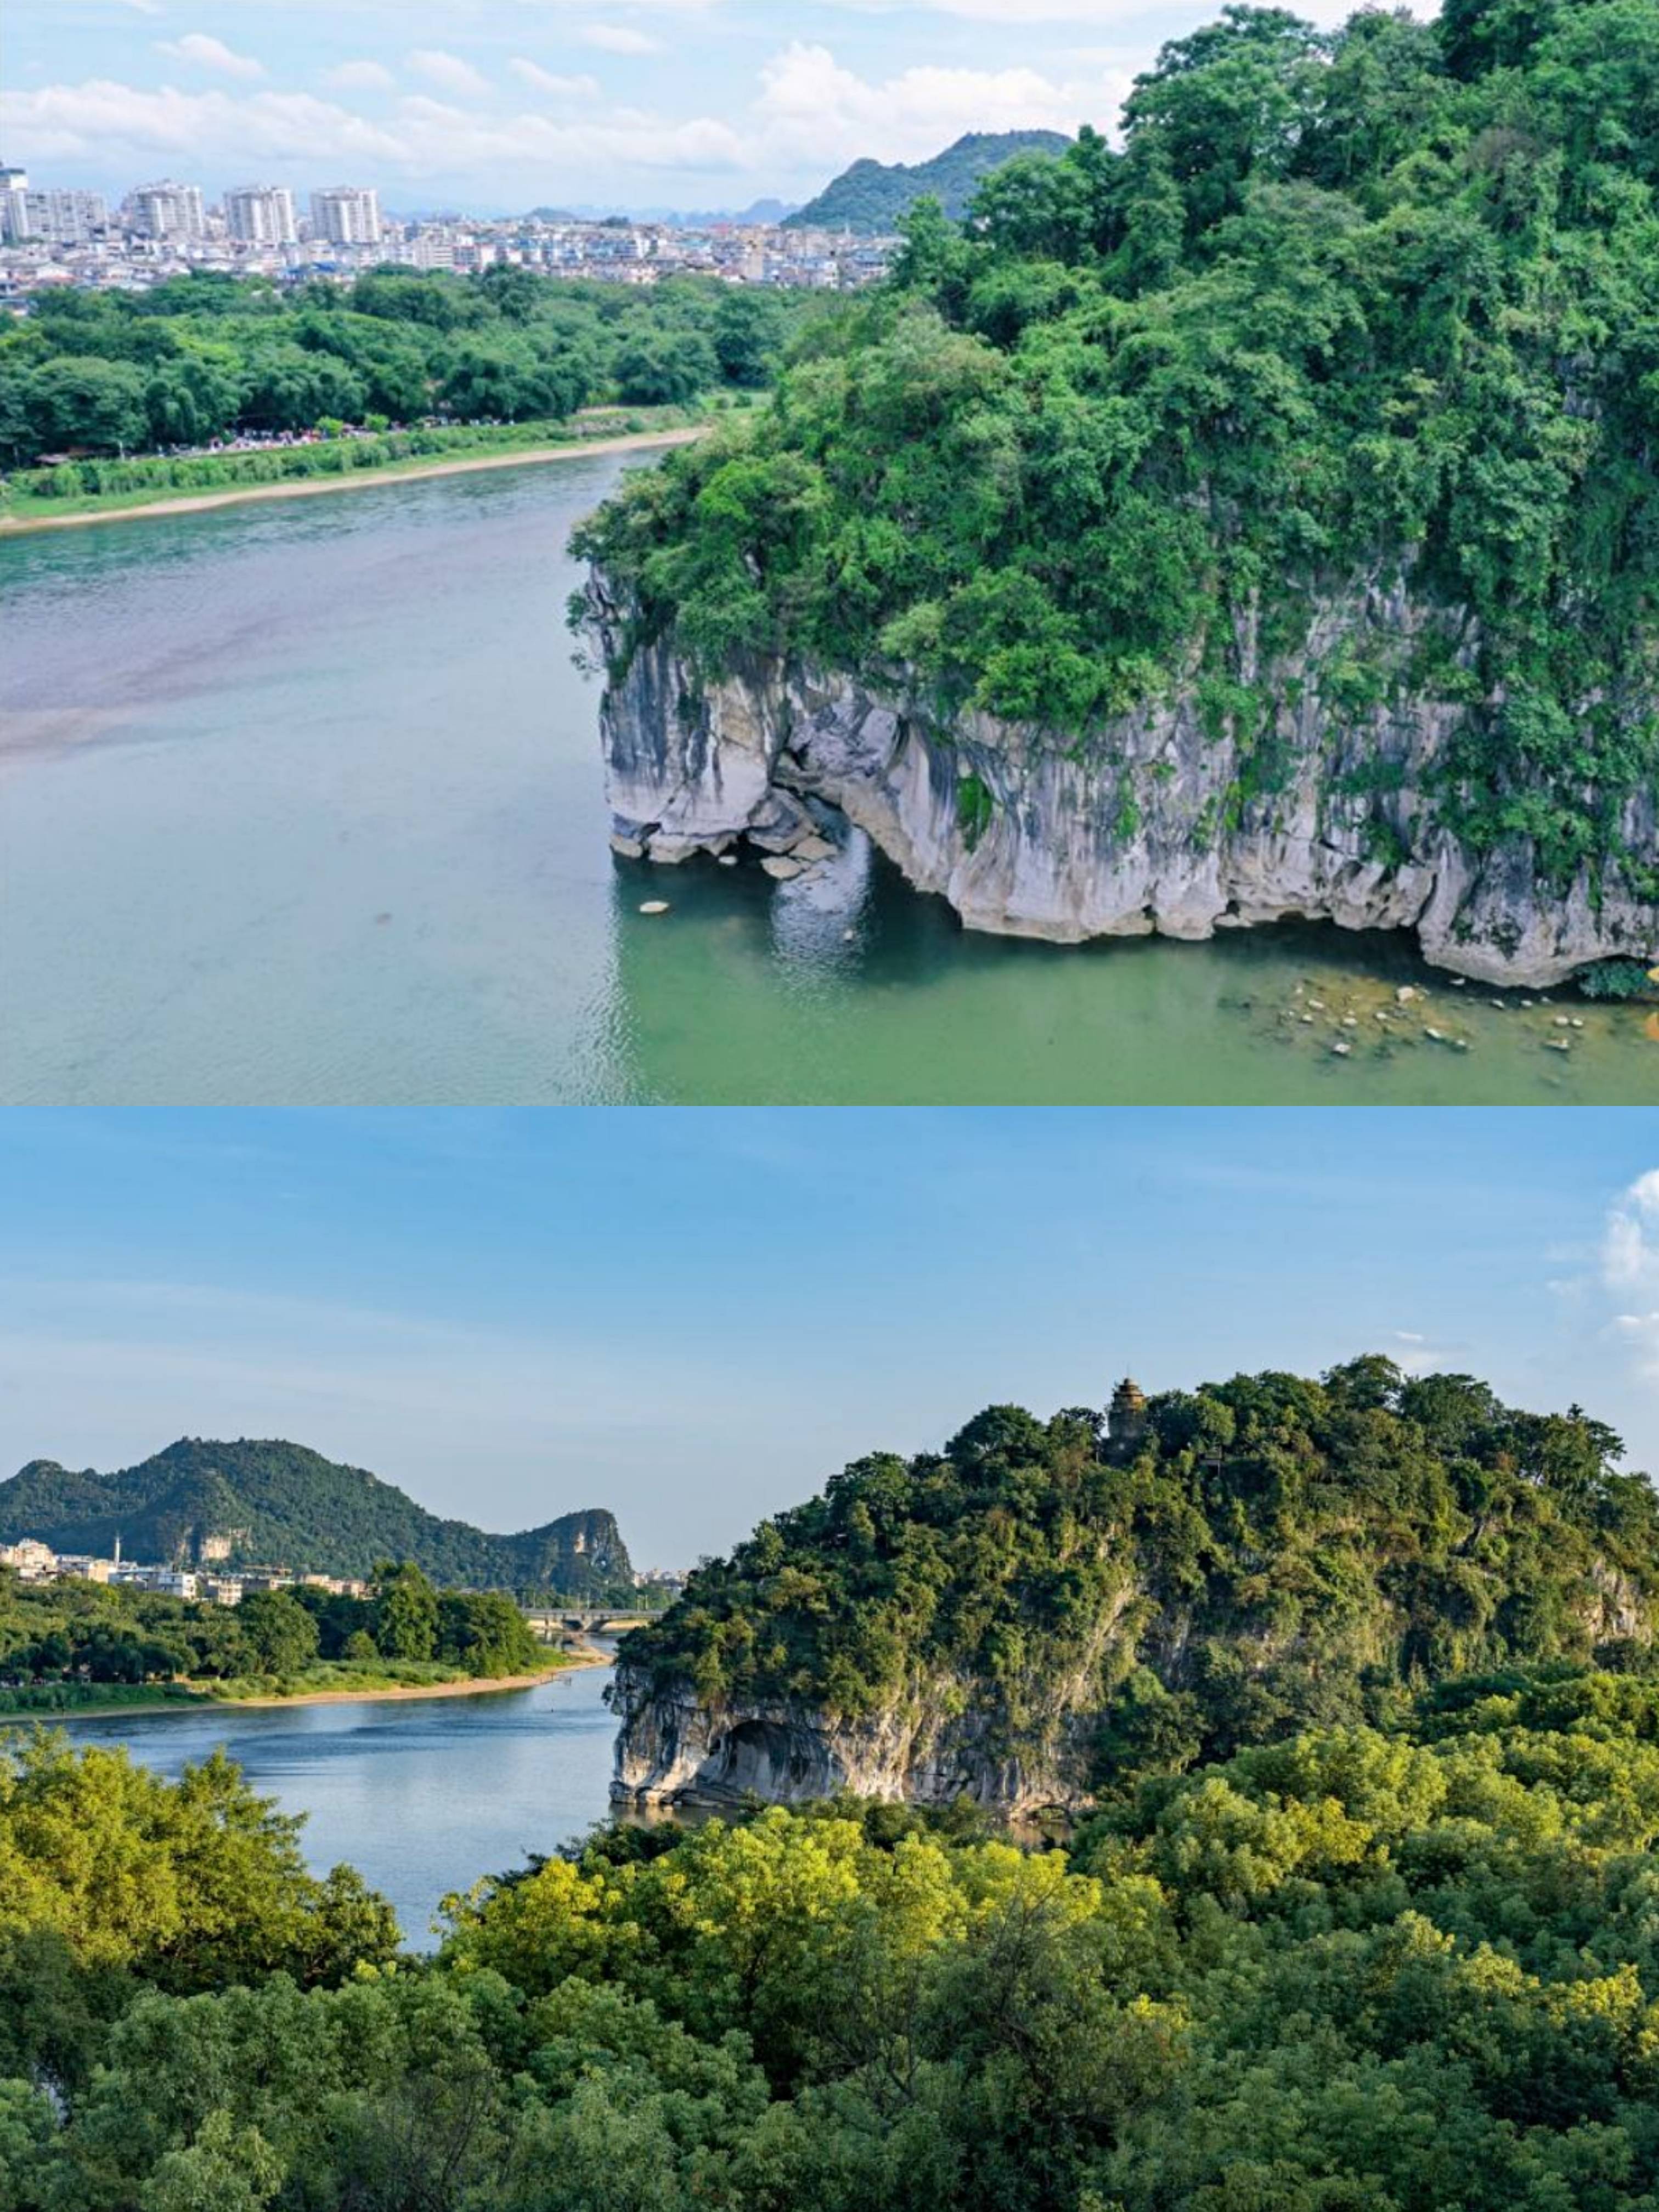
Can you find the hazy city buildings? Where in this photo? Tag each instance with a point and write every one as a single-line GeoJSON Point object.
{"type": "Point", "coordinates": [68, 236]}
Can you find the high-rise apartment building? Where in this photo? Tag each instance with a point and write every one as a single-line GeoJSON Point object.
{"type": "Point", "coordinates": [14, 205]}
{"type": "Point", "coordinates": [66, 218]}
{"type": "Point", "coordinates": [346, 215]}
{"type": "Point", "coordinates": [261, 214]}
{"type": "Point", "coordinates": [168, 210]}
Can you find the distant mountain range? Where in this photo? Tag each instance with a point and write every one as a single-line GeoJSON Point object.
{"type": "Point", "coordinates": [279, 1505]}
{"type": "Point", "coordinates": [872, 195]}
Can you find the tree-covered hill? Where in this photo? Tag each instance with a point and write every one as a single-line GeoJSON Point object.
{"type": "Point", "coordinates": [1092, 1599]}
{"type": "Point", "coordinates": [872, 195]}
{"type": "Point", "coordinates": [279, 1504]}
{"type": "Point", "coordinates": [1345, 365]}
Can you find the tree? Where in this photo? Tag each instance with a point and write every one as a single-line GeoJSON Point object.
{"type": "Point", "coordinates": [281, 1633]}
{"type": "Point", "coordinates": [97, 405]}
{"type": "Point", "coordinates": [405, 1613]}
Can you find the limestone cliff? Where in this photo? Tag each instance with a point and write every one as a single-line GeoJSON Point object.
{"type": "Point", "coordinates": [1045, 1611]}
{"type": "Point", "coordinates": [923, 1749]}
{"type": "Point", "coordinates": [1149, 827]}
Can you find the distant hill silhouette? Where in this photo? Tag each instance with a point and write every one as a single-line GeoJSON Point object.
{"type": "Point", "coordinates": [872, 195]}
{"type": "Point", "coordinates": [282, 1505]}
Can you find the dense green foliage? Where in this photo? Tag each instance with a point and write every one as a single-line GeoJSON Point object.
{"type": "Point", "coordinates": [278, 1505]}
{"type": "Point", "coordinates": [203, 357]}
{"type": "Point", "coordinates": [1348, 313]}
{"type": "Point", "coordinates": [873, 195]}
{"type": "Point", "coordinates": [1412, 1970]}
{"type": "Point", "coordinates": [1272, 1552]}
{"type": "Point", "coordinates": [64, 1641]}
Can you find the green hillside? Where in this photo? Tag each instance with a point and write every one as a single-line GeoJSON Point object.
{"type": "Point", "coordinates": [872, 195]}
{"type": "Point", "coordinates": [1365, 319]}
{"type": "Point", "coordinates": [281, 1504]}
{"type": "Point", "coordinates": [1211, 1569]}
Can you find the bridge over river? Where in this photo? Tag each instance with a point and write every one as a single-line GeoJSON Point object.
{"type": "Point", "coordinates": [573, 1625]}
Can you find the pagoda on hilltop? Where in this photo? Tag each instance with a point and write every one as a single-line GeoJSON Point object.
{"type": "Point", "coordinates": [1127, 1421]}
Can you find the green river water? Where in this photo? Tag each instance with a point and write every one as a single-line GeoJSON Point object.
{"type": "Point", "coordinates": [302, 803]}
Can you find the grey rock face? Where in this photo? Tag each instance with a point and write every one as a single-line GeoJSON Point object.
{"type": "Point", "coordinates": [1143, 829]}
{"type": "Point", "coordinates": [672, 1751]}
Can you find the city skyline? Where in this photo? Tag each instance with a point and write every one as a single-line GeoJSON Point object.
{"type": "Point", "coordinates": [509, 104]}
{"type": "Point", "coordinates": [663, 1312]}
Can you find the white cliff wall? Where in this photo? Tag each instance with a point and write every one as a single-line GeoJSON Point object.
{"type": "Point", "coordinates": [1144, 832]}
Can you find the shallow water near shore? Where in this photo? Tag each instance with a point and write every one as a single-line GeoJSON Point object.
{"type": "Point", "coordinates": [421, 1796]}
{"type": "Point", "coordinates": [302, 803]}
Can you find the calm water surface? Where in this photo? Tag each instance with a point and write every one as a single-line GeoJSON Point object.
{"type": "Point", "coordinates": [302, 802]}
{"type": "Point", "coordinates": [422, 1796]}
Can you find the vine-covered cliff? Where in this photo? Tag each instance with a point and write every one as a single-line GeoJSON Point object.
{"type": "Point", "coordinates": [1260, 519]}
{"type": "Point", "coordinates": [1045, 1611]}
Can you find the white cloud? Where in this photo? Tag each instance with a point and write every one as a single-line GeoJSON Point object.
{"type": "Point", "coordinates": [618, 38]}
{"type": "Point", "coordinates": [809, 116]}
{"type": "Point", "coordinates": [1641, 1332]}
{"type": "Point", "coordinates": [1414, 1354]}
{"type": "Point", "coordinates": [84, 122]}
{"type": "Point", "coordinates": [1630, 1243]}
{"type": "Point", "coordinates": [814, 110]}
{"type": "Point", "coordinates": [555, 88]}
{"type": "Point", "coordinates": [360, 77]}
{"type": "Point", "coordinates": [449, 73]}
{"type": "Point", "coordinates": [204, 52]}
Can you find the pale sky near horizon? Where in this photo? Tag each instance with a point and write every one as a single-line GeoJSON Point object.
{"type": "Point", "coordinates": [501, 105]}
{"type": "Point", "coordinates": [695, 1316]}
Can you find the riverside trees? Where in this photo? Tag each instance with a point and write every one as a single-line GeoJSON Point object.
{"type": "Point", "coordinates": [202, 358]}
{"type": "Point", "coordinates": [1409, 1968]}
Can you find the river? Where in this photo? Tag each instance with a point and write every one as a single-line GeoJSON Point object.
{"type": "Point", "coordinates": [422, 1796]}
{"type": "Point", "coordinates": [302, 803]}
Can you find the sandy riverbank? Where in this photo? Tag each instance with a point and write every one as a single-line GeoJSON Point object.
{"type": "Point", "coordinates": [467, 1686]}
{"type": "Point", "coordinates": [359, 480]}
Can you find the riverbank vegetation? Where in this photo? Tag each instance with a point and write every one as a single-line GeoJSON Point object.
{"type": "Point", "coordinates": [1355, 327]}
{"type": "Point", "coordinates": [207, 383]}
{"type": "Point", "coordinates": [104, 487]}
{"type": "Point", "coordinates": [70, 1646]}
{"type": "Point", "coordinates": [1411, 1968]}
{"type": "Point", "coordinates": [1212, 1570]}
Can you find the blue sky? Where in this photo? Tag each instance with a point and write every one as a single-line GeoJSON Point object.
{"type": "Point", "coordinates": [694, 1315]}
{"type": "Point", "coordinates": [503, 104]}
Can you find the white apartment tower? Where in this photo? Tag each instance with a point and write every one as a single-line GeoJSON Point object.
{"type": "Point", "coordinates": [14, 206]}
{"type": "Point", "coordinates": [67, 218]}
{"type": "Point", "coordinates": [346, 215]}
{"type": "Point", "coordinates": [168, 210]}
{"type": "Point", "coordinates": [261, 214]}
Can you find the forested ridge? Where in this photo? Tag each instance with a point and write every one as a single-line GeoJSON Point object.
{"type": "Point", "coordinates": [873, 195]}
{"type": "Point", "coordinates": [274, 1503]}
{"type": "Point", "coordinates": [1339, 380]}
{"type": "Point", "coordinates": [1235, 1562]}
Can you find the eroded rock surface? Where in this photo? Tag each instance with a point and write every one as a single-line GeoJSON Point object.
{"type": "Point", "coordinates": [1143, 829]}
